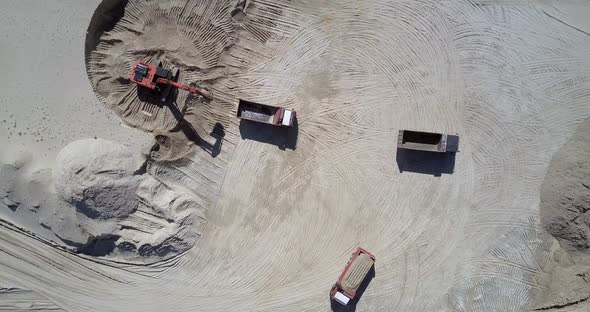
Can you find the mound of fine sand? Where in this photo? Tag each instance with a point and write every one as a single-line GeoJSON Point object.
{"type": "Point", "coordinates": [131, 215]}
{"type": "Point", "coordinates": [99, 178]}
{"type": "Point", "coordinates": [565, 283]}
{"type": "Point", "coordinates": [105, 204]}
{"type": "Point", "coordinates": [565, 205]}
{"type": "Point", "coordinates": [565, 198]}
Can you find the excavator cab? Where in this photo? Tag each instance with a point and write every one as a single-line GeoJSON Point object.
{"type": "Point", "coordinates": [146, 77]}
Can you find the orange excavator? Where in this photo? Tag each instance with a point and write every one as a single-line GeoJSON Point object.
{"type": "Point", "coordinates": [159, 81]}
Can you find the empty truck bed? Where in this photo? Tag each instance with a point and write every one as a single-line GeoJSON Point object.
{"type": "Point", "coordinates": [428, 141]}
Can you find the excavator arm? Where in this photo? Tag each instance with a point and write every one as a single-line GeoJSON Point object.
{"type": "Point", "coordinates": [181, 86]}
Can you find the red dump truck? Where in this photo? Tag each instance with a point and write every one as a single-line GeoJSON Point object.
{"type": "Point", "coordinates": [272, 115]}
{"type": "Point", "coordinates": [428, 141]}
{"type": "Point", "coordinates": [354, 273]}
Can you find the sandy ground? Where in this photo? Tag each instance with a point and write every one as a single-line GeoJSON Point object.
{"type": "Point", "coordinates": [510, 79]}
{"type": "Point", "coordinates": [47, 100]}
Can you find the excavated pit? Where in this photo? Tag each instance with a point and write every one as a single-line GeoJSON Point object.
{"type": "Point", "coordinates": [190, 39]}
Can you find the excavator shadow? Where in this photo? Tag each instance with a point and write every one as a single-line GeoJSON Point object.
{"type": "Point", "coordinates": [218, 132]}
{"type": "Point", "coordinates": [282, 137]}
{"type": "Point", "coordinates": [351, 306]}
{"type": "Point", "coordinates": [154, 98]}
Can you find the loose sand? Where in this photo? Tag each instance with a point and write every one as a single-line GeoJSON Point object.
{"type": "Point", "coordinates": [103, 200]}
{"type": "Point", "coordinates": [565, 197]}
{"type": "Point", "coordinates": [47, 101]}
{"type": "Point", "coordinates": [22, 300]}
{"type": "Point", "coordinates": [510, 79]}
{"type": "Point", "coordinates": [565, 201]}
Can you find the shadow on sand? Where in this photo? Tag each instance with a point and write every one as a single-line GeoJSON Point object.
{"type": "Point", "coordinates": [282, 137]}
{"type": "Point", "coordinates": [425, 162]}
{"type": "Point", "coordinates": [351, 306]}
{"type": "Point", "coordinates": [218, 131]}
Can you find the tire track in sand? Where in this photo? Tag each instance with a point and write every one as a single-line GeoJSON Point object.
{"type": "Point", "coordinates": [278, 241]}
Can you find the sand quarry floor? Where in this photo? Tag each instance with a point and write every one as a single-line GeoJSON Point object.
{"type": "Point", "coordinates": [511, 78]}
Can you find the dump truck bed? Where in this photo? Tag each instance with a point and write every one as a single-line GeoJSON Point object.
{"type": "Point", "coordinates": [356, 273]}
{"type": "Point", "coordinates": [428, 141]}
{"type": "Point", "coordinates": [259, 117]}
{"type": "Point", "coordinates": [257, 112]}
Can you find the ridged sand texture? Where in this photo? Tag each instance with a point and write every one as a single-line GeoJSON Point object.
{"type": "Point", "coordinates": [190, 36]}
{"type": "Point", "coordinates": [511, 80]}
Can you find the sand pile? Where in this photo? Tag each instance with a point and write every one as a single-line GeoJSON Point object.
{"type": "Point", "coordinates": [565, 198]}
{"type": "Point", "coordinates": [100, 201]}
{"type": "Point", "coordinates": [34, 205]}
{"type": "Point", "coordinates": [113, 203]}
{"type": "Point", "coordinates": [99, 178]}
{"type": "Point", "coordinates": [196, 38]}
{"type": "Point", "coordinates": [566, 283]}
{"type": "Point", "coordinates": [565, 205]}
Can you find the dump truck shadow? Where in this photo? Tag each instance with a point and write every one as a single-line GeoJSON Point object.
{"type": "Point", "coordinates": [351, 306]}
{"type": "Point", "coordinates": [425, 162]}
{"type": "Point", "coordinates": [282, 137]}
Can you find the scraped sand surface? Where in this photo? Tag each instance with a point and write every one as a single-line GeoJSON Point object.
{"type": "Point", "coordinates": [510, 79]}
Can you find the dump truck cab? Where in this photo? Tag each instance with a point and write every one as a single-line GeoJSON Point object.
{"type": "Point", "coordinates": [354, 273]}
{"type": "Point", "coordinates": [287, 117]}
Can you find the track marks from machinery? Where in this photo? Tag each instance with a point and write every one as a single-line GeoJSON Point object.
{"type": "Point", "coordinates": [192, 36]}
{"type": "Point", "coordinates": [16, 300]}
{"type": "Point", "coordinates": [285, 222]}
